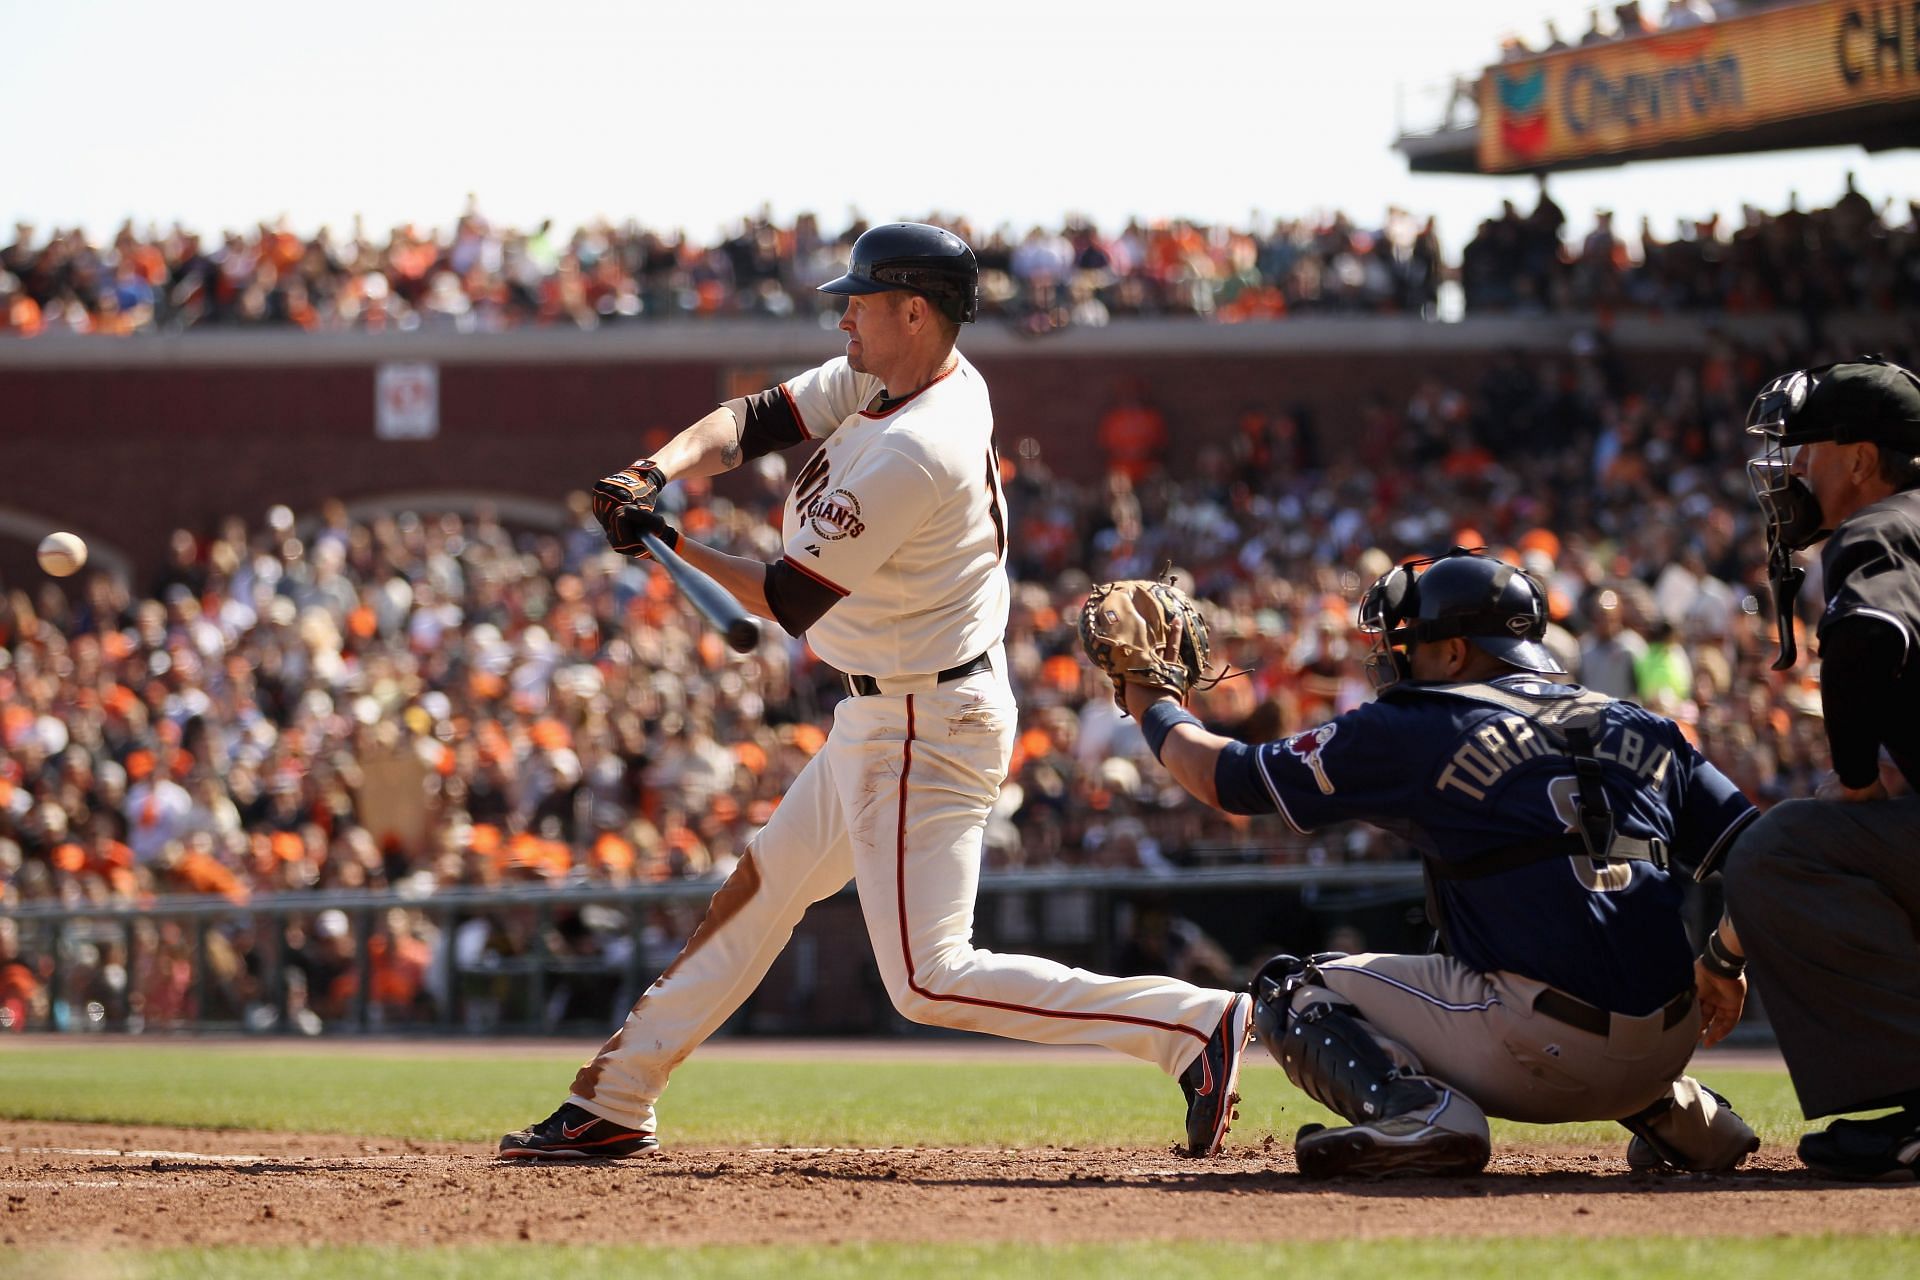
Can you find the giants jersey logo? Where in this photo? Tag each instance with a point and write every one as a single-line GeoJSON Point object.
{"type": "Point", "coordinates": [835, 516]}
{"type": "Point", "coordinates": [811, 482]}
{"type": "Point", "coordinates": [1308, 746]}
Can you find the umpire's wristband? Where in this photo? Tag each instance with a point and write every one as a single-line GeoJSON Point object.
{"type": "Point", "coordinates": [1718, 960]}
{"type": "Point", "coordinates": [1158, 721]}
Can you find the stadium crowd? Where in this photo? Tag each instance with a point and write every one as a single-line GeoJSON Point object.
{"type": "Point", "coordinates": [483, 277]}
{"type": "Point", "coordinates": [420, 701]}
{"type": "Point", "coordinates": [1850, 257]}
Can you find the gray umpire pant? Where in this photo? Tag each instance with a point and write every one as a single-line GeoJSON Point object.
{"type": "Point", "coordinates": [1826, 898]}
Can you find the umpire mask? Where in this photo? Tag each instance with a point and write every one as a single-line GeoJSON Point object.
{"type": "Point", "coordinates": [1865, 400]}
{"type": "Point", "coordinates": [1792, 512]}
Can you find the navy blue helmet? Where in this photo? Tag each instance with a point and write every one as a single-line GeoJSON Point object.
{"type": "Point", "coordinates": [922, 259]}
{"type": "Point", "coordinates": [1486, 601]}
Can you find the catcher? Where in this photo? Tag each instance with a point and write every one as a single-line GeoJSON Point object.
{"type": "Point", "coordinates": [1551, 821]}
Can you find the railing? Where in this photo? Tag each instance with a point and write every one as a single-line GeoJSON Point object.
{"type": "Point", "coordinates": [482, 961]}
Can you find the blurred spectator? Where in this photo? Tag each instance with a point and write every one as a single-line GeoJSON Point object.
{"type": "Point", "coordinates": [1133, 432]}
{"type": "Point", "coordinates": [1686, 13]}
{"type": "Point", "coordinates": [22, 996]}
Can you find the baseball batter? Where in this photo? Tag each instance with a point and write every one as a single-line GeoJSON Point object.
{"type": "Point", "coordinates": [895, 571]}
{"type": "Point", "coordinates": [1546, 815]}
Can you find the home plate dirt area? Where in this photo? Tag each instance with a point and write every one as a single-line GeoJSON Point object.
{"type": "Point", "coordinates": [117, 1186]}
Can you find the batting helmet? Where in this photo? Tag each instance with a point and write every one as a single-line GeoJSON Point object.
{"type": "Point", "coordinates": [1464, 593]}
{"type": "Point", "coordinates": [929, 261]}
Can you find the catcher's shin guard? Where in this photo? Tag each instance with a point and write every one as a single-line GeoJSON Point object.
{"type": "Point", "coordinates": [1325, 1050]}
{"type": "Point", "coordinates": [1400, 1123]}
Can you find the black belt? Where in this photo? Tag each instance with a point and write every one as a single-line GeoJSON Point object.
{"type": "Point", "coordinates": [868, 686]}
{"type": "Point", "coordinates": [1562, 1007]}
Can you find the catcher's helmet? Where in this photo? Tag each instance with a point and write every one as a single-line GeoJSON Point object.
{"type": "Point", "coordinates": [929, 261]}
{"type": "Point", "coordinates": [1464, 593]}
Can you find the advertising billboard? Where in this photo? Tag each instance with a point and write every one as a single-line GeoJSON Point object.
{"type": "Point", "coordinates": [1651, 94]}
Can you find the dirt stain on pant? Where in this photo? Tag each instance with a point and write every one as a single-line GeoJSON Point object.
{"type": "Point", "coordinates": [878, 783]}
{"type": "Point", "coordinates": [981, 717]}
{"type": "Point", "coordinates": [588, 1078]}
{"type": "Point", "coordinates": [727, 901]}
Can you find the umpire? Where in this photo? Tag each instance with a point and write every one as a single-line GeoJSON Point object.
{"type": "Point", "coordinates": [1826, 892]}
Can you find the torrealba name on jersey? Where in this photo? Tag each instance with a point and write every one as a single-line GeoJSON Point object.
{"type": "Point", "coordinates": [1500, 744]}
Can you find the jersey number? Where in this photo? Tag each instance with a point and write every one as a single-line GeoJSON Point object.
{"type": "Point", "coordinates": [1615, 876]}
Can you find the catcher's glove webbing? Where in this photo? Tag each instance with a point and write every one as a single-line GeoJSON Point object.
{"type": "Point", "coordinates": [1125, 628]}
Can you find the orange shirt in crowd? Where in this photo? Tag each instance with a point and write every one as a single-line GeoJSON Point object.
{"type": "Point", "coordinates": [399, 967]}
{"type": "Point", "coordinates": [23, 316]}
{"type": "Point", "coordinates": [17, 983]}
{"type": "Point", "coordinates": [203, 873]}
{"type": "Point", "coordinates": [1133, 436]}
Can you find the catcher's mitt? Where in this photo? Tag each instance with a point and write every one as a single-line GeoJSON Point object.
{"type": "Point", "coordinates": [1125, 628]}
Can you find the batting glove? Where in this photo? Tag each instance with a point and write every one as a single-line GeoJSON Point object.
{"type": "Point", "coordinates": [629, 523]}
{"type": "Point", "coordinates": [637, 485]}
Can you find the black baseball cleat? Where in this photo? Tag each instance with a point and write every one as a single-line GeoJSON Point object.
{"type": "Point", "coordinates": [574, 1133]}
{"type": "Point", "coordinates": [1883, 1149]}
{"type": "Point", "coordinates": [1406, 1145]}
{"type": "Point", "coordinates": [1211, 1082]}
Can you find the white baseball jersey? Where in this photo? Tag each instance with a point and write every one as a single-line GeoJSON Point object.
{"type": "Point", "coordinates": [900, 513]}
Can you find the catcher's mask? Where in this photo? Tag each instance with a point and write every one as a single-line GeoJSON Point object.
{"type": "Point", "coordinates": [1868, 399]}
{"type": "Point", "coordinates": [1464, 593]}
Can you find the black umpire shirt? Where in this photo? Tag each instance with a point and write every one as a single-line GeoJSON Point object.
{"type": "Point", "coordinates": [1870, 640]}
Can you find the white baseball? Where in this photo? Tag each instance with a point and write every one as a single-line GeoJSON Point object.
{"type": "Point", "coordinates": [62, 554]}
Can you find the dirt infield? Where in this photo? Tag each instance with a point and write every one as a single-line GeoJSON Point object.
{"type": "Point", "coordinates": [116, 1186]}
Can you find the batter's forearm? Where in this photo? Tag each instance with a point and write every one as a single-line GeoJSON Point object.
{"type": "Point", "coordinates": [743, 577]}
{"type": "Point", "coordinates": [707, 448]}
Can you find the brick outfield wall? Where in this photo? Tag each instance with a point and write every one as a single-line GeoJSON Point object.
{"type": "Point", "coordinates": [125, 453]}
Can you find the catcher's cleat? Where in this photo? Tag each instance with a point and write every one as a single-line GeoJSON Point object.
{"type": "Point", "coordinates": [1404, 1145]}
{"type": "Point", "coordinates": [1643, 1157]}
{"type": "Point", "coordinates": [1884, 1149]}
{"type": "Point", "coordinates": [1648, 1150]}
{"type": "Point", "coordinates": [1211, 1082]}
{"type": "Point", "coordinates": [574, 1133]}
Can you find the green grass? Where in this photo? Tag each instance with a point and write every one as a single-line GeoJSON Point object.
{"type": "Point", "coordinates": [713, 1102]}
{"type": "Point", "coordinates": [1653, 1258]}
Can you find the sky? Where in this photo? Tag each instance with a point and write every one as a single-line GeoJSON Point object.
{"type": "Point", "coordinates": [223, 114]}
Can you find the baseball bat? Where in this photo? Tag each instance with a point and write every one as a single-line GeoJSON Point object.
{"type": "Point", "coordinates": [715, 603]}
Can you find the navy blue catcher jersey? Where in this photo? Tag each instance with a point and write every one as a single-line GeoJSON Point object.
{"type": "Point", "coordinates": [1463, 770]}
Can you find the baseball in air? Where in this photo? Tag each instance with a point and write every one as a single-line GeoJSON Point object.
{"type": "Point", "coordinates": [62, 554]}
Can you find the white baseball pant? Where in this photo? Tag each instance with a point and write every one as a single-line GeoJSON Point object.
{"type": "Point", "coordinates": [897, 800]}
